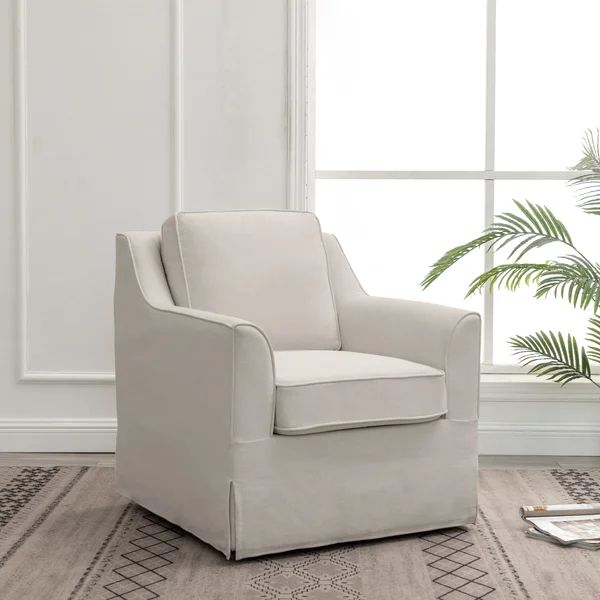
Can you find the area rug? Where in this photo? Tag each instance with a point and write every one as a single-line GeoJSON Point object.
{"type": "Point", "coordinates": [66, 535]}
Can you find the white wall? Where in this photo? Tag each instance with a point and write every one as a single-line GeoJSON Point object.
{"type": "Point", "coordinates": [113, 114]}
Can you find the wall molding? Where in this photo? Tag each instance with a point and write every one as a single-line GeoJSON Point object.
{"type": "Point", "coordinates": [529, 388]}
{"type": "Point", "coordinates": [176, 60]}
{"type": "Point", "coordinates": [301, 118]}
{"type": "Point", "coordinates": [550, 439]}
{"type": "Point", "coordinates": [24, 373]}
{"type": "Point", "coordinates": [21, 179]}
{"type": "Point", "coordinates": [58, 435]}
{"type": "Point", "coordinates": [297, 104]}
{"type": "Point", "coordinates": [68, 377]}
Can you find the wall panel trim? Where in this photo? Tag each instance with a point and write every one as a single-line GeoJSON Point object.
{"type": "Point", "coordinates": [24, 373]}
{"type": "Point", "coordinates": [297, 104]}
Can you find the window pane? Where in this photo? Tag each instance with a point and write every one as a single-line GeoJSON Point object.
{"type": "Point", "coordinates": [547, 87]}
{"type": "Point", "coordinates": [400, 85]}
{"type": "Point", "coordinates": [520, 313]}
{"type": "Point", "coordinates": [392, 231]}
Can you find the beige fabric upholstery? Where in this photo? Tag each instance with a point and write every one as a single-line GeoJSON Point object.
{"type": "Point", "coordinates": [268, 267]}
{"type": "Point", "coordinates": [327, 391]}
{"type": "Point", "coordinates": [439, 336]}
{"type": "Point", "coordinates": [197, 399]}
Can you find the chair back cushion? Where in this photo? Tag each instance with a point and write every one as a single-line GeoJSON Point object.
{"type": "Point", "coordinates": [268, 267]}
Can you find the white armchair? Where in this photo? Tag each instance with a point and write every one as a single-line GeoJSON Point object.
{"type": "Point", "coordinates": [266, 402]}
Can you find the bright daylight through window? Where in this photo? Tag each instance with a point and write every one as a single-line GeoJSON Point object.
{"type": "Point", "coordinates": [430, 117]}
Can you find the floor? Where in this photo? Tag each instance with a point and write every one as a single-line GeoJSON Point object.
{"type": "Point", "coordinates": [485, 462]}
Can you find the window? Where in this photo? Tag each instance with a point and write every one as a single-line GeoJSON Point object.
{"type": "Point", "coordinates": [429, 117]}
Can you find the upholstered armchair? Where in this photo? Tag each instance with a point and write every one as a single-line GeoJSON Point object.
{"type": "Point", "coordinates": [266, 402]}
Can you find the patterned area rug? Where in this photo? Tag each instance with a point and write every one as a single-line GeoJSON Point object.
{"type": "Point", "coordinates": [66, 535]}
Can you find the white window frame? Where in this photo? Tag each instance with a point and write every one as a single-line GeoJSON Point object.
{"type": "Point", "coordinates": [302, 172]}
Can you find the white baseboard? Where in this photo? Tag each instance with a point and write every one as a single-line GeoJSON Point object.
{"type": "Point", "coordinates": [99, 435]}
{"type": "Point", "coordinates": [566, 439]}
{"type": "Point", "coordinates": [58, 435]}
{"type": "Point", "coordinates": [539, 418]}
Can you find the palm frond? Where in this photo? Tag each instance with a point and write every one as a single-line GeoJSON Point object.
{"type": "Point", "coordinates": [575, 279]}
{"type": "Point", "coordinates": [510, 276]}
{"type": "Point", "coordinates": [454, 255]}
{"type": "Point", "coordinates": [588, 184]}
{"type": "Point", "coordinates": [552, 356]}
{"type": "Point", "coordinates": [590, 160]}
{"type": "Point", "coordinates": [593, 339]}
{"type": "Point", "coordinates": [533, 226]}
{"type": "Point", "coordinates": [588, 192]}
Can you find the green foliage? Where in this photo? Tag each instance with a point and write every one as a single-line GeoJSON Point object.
{"type": "Point", "coordinates": [574, 280]}
{"type": "Point", "coordinates": [593, 339]}
{"type": "Point", "coordinates": [533, 226]}
{"type": "Point", "coordinates": [572, 277]}
{"type": "Point", "coordinates": [587, 185]}
{"type": "Point", "coordinates": [510, 276]}
{"type": "Point", "coordinates": [552, 356]}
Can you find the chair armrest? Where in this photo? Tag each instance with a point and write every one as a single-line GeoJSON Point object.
{"type": "Point", "coordinates": [196, 373]}
{"type": "Point", "coordinates": [439, 336]}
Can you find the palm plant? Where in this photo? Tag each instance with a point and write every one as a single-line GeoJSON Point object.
{"type": "Point", "coordinates": [570, 275]}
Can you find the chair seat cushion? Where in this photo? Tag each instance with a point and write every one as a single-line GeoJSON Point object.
{"type": "Point", "coordinates": [330, 390]}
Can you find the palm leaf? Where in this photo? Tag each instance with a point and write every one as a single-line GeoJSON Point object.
{"type": "Point", "coordinates": [575, 279]}
{"type": "Point", "coordinates": [454, 255]}
{"type": "Point", "coordinates": [552, 356]}
{"type": "Point", "coordinates": [588, 184]}
{"type": "Point", "coordinates": [590, 161]}
{"type": "Point", "coordinates": [593, 339]}
{"type": "Point", "coordinates": [510, 276]}
{"type": "Point", "coordinates": [588, 192]}
{"type": "Point", "coordinates": [533, 226]}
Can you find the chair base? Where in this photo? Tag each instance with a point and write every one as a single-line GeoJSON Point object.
{"type": "Point", "coordinates": [287, 493]}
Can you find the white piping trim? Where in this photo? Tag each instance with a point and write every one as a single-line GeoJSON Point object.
{"type": "Point", "coordinates": [178, 235]}
{"type": "Point", "coordinates": [171, 309]}
{"type": "Point", "coordinates": [354, 379]}
{"type": "Point", "coordinates": [348, 263]}
{"type": "Point", "coordinates": [329, 281]}
{"type": "Point", "coordinates": [273, 391]}
{"type": "Point", "coordinates": [341, 425]}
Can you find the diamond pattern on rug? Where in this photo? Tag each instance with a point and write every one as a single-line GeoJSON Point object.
{"type": "Point", "coordinates": [140, 567]}
{"type": "Point", "coordinates": [316, 575]}
{"type": "Point", "coordinates": [457, 571]}
{"type": "Point", "coordinates": [22, 489]}
{"type": "Point", "coordinates": [580, 485]}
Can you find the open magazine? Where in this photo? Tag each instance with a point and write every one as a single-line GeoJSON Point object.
{"type": "Point", "coordinates": [569, 524]}
{"type": "Point", "coordinates": [585, 544]}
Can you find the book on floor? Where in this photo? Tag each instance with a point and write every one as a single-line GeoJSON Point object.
{"type": "Point", "coordinates": [567, 524]}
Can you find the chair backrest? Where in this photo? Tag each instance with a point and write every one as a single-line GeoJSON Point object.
{"type": "Point", "coordinates": [266, 266]}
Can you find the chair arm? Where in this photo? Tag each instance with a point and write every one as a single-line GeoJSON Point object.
{"type": "Point", "coordinates": [439, 336]}
{"type": "Point", "coordinates": [194, 372]}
